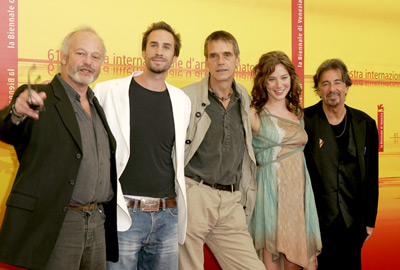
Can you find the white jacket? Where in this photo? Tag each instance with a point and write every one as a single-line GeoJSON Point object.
{"type": "Point", "coordinates": [113, 96]}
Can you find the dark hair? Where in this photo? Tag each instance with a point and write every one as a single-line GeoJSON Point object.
{"type": "Point", "coordinates": [221, 35]}
{"type": "Point", "coordinates": [166, 27]}
{"type": "Point", "coordinates": [332, 64]}
{"type": "Point", "coordinates": [265, 67]}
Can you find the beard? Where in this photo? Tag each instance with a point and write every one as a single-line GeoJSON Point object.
{"type": "Point", "coordinates": [333, 102]}
{"type": "Point", "coordinates": [83, 80]}
{"type": "Point", "coordinates": [158, 69]}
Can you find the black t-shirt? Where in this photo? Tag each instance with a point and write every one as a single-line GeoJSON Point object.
{"type": "Point", "coordinates": [341, 132]}
{"type": "Point", "coordinates": [150, 171]}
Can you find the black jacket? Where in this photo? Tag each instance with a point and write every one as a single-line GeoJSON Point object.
{"type": "Point", "coordinates": [366, 142]}
{"type": "Point", "coordinates": [49, 152]}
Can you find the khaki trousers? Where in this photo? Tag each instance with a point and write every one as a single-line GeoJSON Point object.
{"type": "Point", "coordinates": [217, 218]}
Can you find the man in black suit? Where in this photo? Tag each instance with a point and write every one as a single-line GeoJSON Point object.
{"type": "Point", "coordinates": [64, 188]}
{"type": "Point", "coordinates": [342, 159]}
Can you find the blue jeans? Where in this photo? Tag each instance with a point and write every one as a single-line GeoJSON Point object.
{"type": "Point", "coordinates": [150, 243]}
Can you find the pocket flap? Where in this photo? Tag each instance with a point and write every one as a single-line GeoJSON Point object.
{"type": "Point", "coordinates": [21, 201]}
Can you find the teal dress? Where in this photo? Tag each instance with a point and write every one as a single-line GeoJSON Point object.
{"type": "Point", "coordinates": [285, 220]}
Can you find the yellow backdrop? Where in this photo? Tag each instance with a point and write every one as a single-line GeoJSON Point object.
{"type": "Point", "coordinates": [363, 33]}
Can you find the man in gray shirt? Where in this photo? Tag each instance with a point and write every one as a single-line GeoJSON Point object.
{"type": "Point", "coordinates": [219, 164]}
{"type": "Point", "coordinates": [66, 181]}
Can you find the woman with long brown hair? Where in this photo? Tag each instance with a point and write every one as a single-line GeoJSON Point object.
{"type": "Point", "coordinates": [284, 224]}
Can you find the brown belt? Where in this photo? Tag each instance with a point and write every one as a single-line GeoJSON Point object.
{"type": "Point", "coordinates": [84, 208]}
{"type": "Point", "coordinates": [169, 203]}
{"type": "Point", "coordinates": [230, 188]}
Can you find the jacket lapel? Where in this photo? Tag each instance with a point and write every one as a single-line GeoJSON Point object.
{"type": "Point", "coordinates": [319, 141]}
{"type": "Point", "coordinates": [64, 108]}
{"type": "Point", "coordinates": [122, 111]}
{"type": "Point", "coordinates": [360, 130]}
{"type": "Point", "coordinates": [100, 111]}
{"type": "Point", "coordinates": [199, 119]}
{"type": "Point", "coordinates": [177, 115]}
{"type": "Point", "coordinates": [323, 139]}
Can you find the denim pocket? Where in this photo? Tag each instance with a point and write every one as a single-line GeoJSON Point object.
{"type": "Point", "coordinates": [173, 211]}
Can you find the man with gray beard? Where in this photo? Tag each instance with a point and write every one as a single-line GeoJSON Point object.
{"type": "Point", "coordinates": [65, 185]}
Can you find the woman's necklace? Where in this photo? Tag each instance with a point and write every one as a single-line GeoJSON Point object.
{"type": "Point", "coordinates": [345, 125]}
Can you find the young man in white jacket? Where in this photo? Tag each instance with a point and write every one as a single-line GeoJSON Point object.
{"type": "Point", "coordinates": [149, 119]}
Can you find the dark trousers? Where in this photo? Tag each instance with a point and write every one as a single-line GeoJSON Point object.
{"type": "Point", "coordinates": [81, 243]}
{"type": "Point", "coordinates": [341, 246]}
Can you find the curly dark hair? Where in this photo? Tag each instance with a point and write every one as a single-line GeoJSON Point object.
{"type": "Point", "coordinates": [265, 67]}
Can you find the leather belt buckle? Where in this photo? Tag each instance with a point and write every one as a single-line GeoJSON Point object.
{"type": "Point", "coordinates": [150, 204]}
